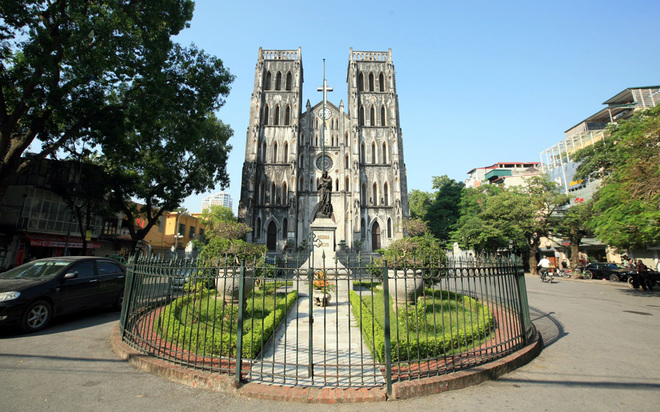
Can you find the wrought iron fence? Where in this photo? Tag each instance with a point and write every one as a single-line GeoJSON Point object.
{"type": "Point", "coordinates": [354, 323]}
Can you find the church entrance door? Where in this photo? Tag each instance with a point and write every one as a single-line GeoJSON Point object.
{"type": "Point", "coordinates": [375, 237]}
{"type": "Point", "coordinates": [271, 237]}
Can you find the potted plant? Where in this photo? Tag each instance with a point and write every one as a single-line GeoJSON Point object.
{"type": "Point", "coordinates": [322, 287]}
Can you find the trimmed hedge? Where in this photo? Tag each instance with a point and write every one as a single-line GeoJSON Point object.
{"type": "Point", "coordinates": [414, 336]}
{"type": "Point", "coordinates": [201, 324]}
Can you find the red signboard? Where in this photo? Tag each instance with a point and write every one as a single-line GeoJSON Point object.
{"type": "Point", "coordinates": [60, 241]}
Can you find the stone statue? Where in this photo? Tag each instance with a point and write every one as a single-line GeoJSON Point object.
{"type": "Point", "coordinates": [325, 190]}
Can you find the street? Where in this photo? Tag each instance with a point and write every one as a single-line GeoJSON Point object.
{"type": "Point", "coordinates": [601, 354]}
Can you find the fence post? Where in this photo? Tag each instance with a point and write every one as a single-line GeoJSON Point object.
{"type": "Point", "coordinates": [387, 332]}
{"type": "Point", "coordinates": [239, 327]}
{"type": "Point", "coordinates": [129, 288]}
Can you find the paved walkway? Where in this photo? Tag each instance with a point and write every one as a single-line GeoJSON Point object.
{"type": "Point", "coordinates": [336, 341]}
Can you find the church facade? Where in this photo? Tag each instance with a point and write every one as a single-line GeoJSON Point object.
{"type": "Point", "coordinates": [289, 146]}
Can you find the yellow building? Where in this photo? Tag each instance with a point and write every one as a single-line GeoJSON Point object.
{"type": "Point", "coordinates": [174, 232]}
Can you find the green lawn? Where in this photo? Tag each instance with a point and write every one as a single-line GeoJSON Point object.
{"type": "Point", "coordinates": [202, 324]}
{"type": "Point", "coordinates": [440, 323]}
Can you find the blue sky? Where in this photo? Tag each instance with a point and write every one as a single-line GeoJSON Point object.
{"type": "Point", "coordinates": [479, 82]}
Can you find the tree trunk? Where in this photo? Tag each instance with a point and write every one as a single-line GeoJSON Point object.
{"type": "Point", "coordinates": [533, 248]}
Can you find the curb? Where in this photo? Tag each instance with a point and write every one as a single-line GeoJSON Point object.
{"type": "Point", "coordinates": [400, 390]}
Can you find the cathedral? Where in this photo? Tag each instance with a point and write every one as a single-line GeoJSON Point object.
{"type": "Point", "coordinates": [298, 157]}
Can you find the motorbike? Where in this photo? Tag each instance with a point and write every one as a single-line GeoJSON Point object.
{"type": "Point", "coordinates": [647, 282]}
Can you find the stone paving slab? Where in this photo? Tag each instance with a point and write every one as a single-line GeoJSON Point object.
{"type": "Point", "coordinates": [337, 341]}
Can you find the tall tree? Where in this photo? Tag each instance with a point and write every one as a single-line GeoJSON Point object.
{"type": "Point", "coordinates": [573, 225]}
{"type": "Point", "coordinates": [493, 217]}
{"type": "Point", "coordinates": [444, 211]}
{"type": "Point", "coordinates": [627, 206]}
{"type": "Point", "coordinates": [419, 203]}
{"type": "Point", "coordinates": [68, 68]}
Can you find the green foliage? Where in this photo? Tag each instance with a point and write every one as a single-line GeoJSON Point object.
{"type": "Point", "coordinates": [492, 217]}
{"type": "Point", "coordinates": [444, 212]}
{"type": "Point", "coordinates": [201, 324]}
{"type": "Point", "coordinates": [627, 206]}
{"type": "Point", "coordinates": [423, 250]}
{"type": "Point", "coordinates": [221, 222]}
{"type": "Point", "coordinates": [441, 323]}
{"type": "Point", "coordinates": [573, 224]}
{"type": "Point", "coordinates": [419, 203]}
{"type": "Point", "coordinates": [414, 227]}
{"type": "Point", "coordinates": [69, 70]}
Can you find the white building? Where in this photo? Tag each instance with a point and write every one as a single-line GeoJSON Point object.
{"type": "Point", "coordinates": [221, 198]}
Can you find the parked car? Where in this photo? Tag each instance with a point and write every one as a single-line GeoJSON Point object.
{"type": "Point", "coordinates": [604, 270]}
{"type": "Point", "coordinates": [31, 294]}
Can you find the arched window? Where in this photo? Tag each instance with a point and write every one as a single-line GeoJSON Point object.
{"type": "Point", "coordinates": [375, 236]}
{"type": "Point", "coordinates": [384, 153]}
{"type": "Point", "coordinates": [363, 154]}
{"type": "Point", "coordinates": [272, 194]}
{"type": "Point", "coordinates": [361, 116]}
{"type": "Point", "coordinates": [271, 240]}
{"type": "Point", "coordinates": [346, 139]}
{"type": "Point", "coordinates": [389, 227]}
{"type": "Point", "coordinates": [288, 81]}
{"type": "Point", "coordinates": [287, 115]}
{"type": "Point", "coordinates": [375, 194]}
{"type": "Point", "coordinates": [381, 82]}
{"type": "Point", "coordinates": [262, 194]}
{"type": "Point", "coordinates": [268, 80]}
{"type": "Point", "coordinates": [361, 82]}
{"type": "Point", "coordinates": [382, 115]}
{"type": "Point", "coordinates": [373, 153]}
{"type": "Point", "coordinates": [276, 119]}
{"type": "Point", "coordinates": [386, 194]}
{"type": "Point", "coordinates": [346, 184]}
{"type": "Point", "coordinates": [278, 81]}
{"type": "Point", "coordinates": [286, 152]}
{"type": "Point", "coordinates": [312, 186]}
{"type": "Point", "coordinates": [285, 228]}
{"type": "Point", "coordinates": [363, 194]}
{"type": "Point", "coordinates": [274, 160]}
{"type": "Point", "coordinates": [371, 82]}
{"type": "Point", "coordinates": [285, 194]}
{"type": "Point", "coordinates": [363, 229]}
{"type": "Point", "coordinates": [257, 229]}
{"type": "Point", "coordinates": [300, 184]}
{"type": "Point", "coordinates": [372, 116]}
{"type": "Point", "coordinates": [336, 185]}
{"type": "Point", "coordinates": [266, 115]}
{"type": "Point", "coordinates": [263, 152]}
{"type": "Point", "coordinates": [346, 164]}
{"type": "Point", "coordinates": [301, 161]}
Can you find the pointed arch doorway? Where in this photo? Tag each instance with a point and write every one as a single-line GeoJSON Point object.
{"type": "Point", "coordinates": [271, 236]}
{"type": "Point", "coordinates": [375, 237]}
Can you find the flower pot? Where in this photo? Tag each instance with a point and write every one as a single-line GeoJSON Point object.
{"type": "Point", "coordinates": [406, 287]}
{"type": "Point", "coordinates": [228, 285]}
{"type": "Point", "coordinates": [321, 298]}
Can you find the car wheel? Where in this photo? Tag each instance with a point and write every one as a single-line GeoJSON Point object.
{"type": "Point", "coordinates": [588, 274]}
{"type": "Point", "coordinates": [36, 316]}
{"type": "Point", "coordinates": [119, 300]}
{"type": "Point", "coordinates": [614, 277]}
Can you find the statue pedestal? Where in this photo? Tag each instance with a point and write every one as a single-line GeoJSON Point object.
{"type": "Point", "coordinates": [324, 244]}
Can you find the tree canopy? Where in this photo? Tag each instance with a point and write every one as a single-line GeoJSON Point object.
{"type": "Point", "coordinates": [627, 205]}
{"type": "Point", "coordinates": [107, 73]}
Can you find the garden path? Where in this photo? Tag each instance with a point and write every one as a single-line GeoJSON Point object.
{"type": "Point", "coordinates": [336, 341]}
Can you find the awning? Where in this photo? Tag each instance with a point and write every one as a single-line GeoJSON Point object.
{"type": "Point", "coordinates": [75, 242]}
